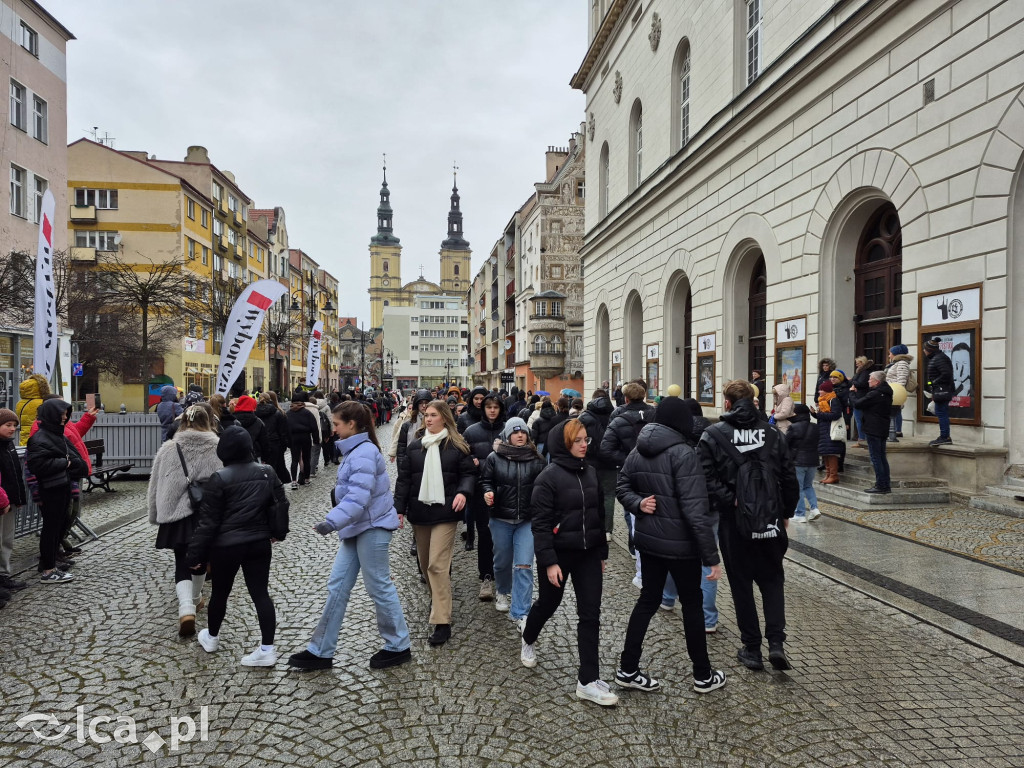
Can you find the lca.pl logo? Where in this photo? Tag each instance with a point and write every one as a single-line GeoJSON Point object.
{"type": "Point", "coordinates": [47, 727]}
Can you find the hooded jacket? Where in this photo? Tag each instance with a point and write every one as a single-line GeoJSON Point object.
{"type": "Point", "coordinates": [275, 424]}
{"type": "Point", "coordinates": [242, 503]}
{"type": "Point", "coordinates": [481, 438]}
{"type": "Point", "coordinates": [875, 405]}
{"type": "Point", "coordinates": [75, 432]}
{"type": "Point", "coordinates": [410, 423]}
{"type": "Point", "coordinates": [745, 429]}
{"type": "Point", "coordinates": [940, 376]}
{"type": "Point", "coordinates": [595, 419]}
{"type": "Point", "coordinates": [783, 406]}
{"type": "Point", "coordinates": [823, 376]}
{"type": "Point", "coordinates": [620, 436]}
{"type": "Point", "coordinates": [251, 423]}
{"type": "Point", "coordinates": [50, 455]}
{"type": "Point", "coordinates": [362, 490]}
{"type": "Point", "coordinates": [665, 465]}
{"type": "Point", "coordinates": [898, 371]}
{"type": "Point", "coordinates": [12, 474]}
{"type": "Point", "coordinates": [169, 408]}
{"type": "Point", "coordinates": [167, 495]}
{"type": "Point", "coordinates": [457, 469]}
{"type": "Point", "coordinates": [511, 479]}
{"type": "Point", "coordinates": [543, 424]}
{"type": "Point", "coordinates": [802, 438]}
{"type": "Point", "coordinates": [303, 424]}
{"type": "Point", "coordinates": [568, 505]}
{"type": "Point", "coordinates": [472, 414]}
{"type": "Point", "coordinates": [32, 390]}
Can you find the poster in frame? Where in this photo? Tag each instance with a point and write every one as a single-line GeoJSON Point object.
{"type": "Point", "coordinates": [962, 347]}
{"type": "Point", "coordinates": [706, 379]}
{"type": "Point", "coordinates": [789, 369]}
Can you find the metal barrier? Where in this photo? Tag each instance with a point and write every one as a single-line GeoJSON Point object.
{"type": "Point", "coordinates": [28, 518]}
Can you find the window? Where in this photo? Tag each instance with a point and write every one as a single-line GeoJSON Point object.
{"type": "Point", "coordinates": [218, 227]}
{"type": "Point", "coordinates": [542, 308]}
{"type": "Point", "coordinates": [683, 93]}
{"type": "Point", "coordinates": [636, 145]}
{"type": "Point", "coordinates": [101, 241]}
{"type": "Point", "coordinates": [233, 203]}
{"type": "Point", "coordinates": [206, 256]}
{"type": "Point", "coordinates": [205, 218]}
{"type": "Point", "coordinates": [105, 199]}
{"type": "Point", "coordinates": [17, 191]}
{"type": "Point", "coordinates": [385, 265]}
{"type": "Point", "coordinates": [540, 345]}
{"type": "Point", "coordinates": [218, 192]}
{"type": "Point", "coordinates": [41, 186]}
{"type": "Point", "coordinates": [602, 203]}
{"type": "Point", "coordinates": [39, 126]}
{"type": "Point", "coordinates": [556, 308]}
{"type": "Point", "coordinates": [29, 39]}
{"type": "Point", "coordinates": [259, 255]}
{"type": "Point", "coordinates": [232, 237]}
{"type": "Point", "coordinates": [18, 95]}
{"type": "Point", "coordinates": [556, 272]}
{"type": "Point", "coordinates": [190, 207]}
{"type": "Point", "coordinates": [456, 270]}
{"type": "Point", "coordinates": [191, 248]}
{"type": "Point", "coordinates": [753, 40]}
{"type": "Point", "coordinates": [414, 319]}
{"type": "Point", "coordinates": [581, 190]}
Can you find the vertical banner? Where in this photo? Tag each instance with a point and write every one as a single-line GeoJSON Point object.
{"type": "Point", "coordinates": [313, 355]}
{"type": "Point", "coordinates": [242, 329]}
{"type": "Point", "coordinates": [44, 336]}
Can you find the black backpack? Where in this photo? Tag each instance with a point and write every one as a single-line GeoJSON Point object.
{"type": "Point", "coordinates": [758, 498]}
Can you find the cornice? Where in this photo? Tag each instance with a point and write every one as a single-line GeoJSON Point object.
{"type": "Point", "coordinates": [604, 32]}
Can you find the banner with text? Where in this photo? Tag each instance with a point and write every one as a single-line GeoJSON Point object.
{"type": "Point", "coordinates": [44, 336]}
{"type": "Point", "coordinates": [242, 329]}
{"type": "Point", "coordinates": [313, 355]}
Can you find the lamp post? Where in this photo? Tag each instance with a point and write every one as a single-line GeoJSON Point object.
{"type": "Point", "coordinates": [448, 372]}
{"type": "Point", "coordinates": [311, 297]}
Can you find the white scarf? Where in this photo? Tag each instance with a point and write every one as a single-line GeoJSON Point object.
{"type": "Point", "coordinates": [432, 485]}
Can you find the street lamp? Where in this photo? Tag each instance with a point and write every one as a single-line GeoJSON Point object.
{"type": "Point", "coordinates": [448, 372]}
{"type": "Point", "coordinates": [311, 296]}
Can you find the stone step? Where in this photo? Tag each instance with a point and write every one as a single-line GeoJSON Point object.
{"type": "Point", "coordinates": [1015, 482]}
{"type": "Point", "coordinates": [998, 504]}
{"type": "Point", "coordinates": [854, 496]}
{"type": "Point", "coordinates": [1006, 491]}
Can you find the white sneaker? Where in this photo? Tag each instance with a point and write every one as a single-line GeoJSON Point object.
{"type": "Point", "coordinates": [799, 518]}
{"type": "Point", "coordinates": [208, 641]}
{"type": "Point", "coordinates": [597, 692]}
{"type": "Point", "coordinates": [260, 658]}
{"type": "Point", "coordinates": [814, 514]}
{"type": "Point", "coordinates": [295, 485]}
{"type": "Point", "coordinates": [521, 624]}
{"type": "Point", "coordinates": [527, 656]}
{"type": "Point", "coordinates": [502, 602]}
{"type": "Point", "coordinates": [638, 582]}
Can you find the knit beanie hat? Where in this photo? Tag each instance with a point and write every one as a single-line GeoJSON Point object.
{"type": "Point", "coordinates": [826, 386]}
{"type": "Point", "coordinates": [932, 344]}
{"type": "Point", "coordinates": [6, 415]}
{"type": "Point", "coordinates": [299, 396]}
{"type": "Point", "coordinates": [899, 349]}
{"type": "Point", "coordinates": [837, 376]}
{"type": "Point", "coordinates": [515, 424]}
{"type": "Point", "coordinates": [675, 414]}
{"type": "Point", "coordinates": [245, 404]}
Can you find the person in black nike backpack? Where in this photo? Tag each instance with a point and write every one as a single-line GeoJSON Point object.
{"type": "Point", "coordinates": [752, 483]}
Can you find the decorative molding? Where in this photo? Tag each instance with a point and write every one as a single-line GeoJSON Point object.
{"type": "Point", "coordinates": [591, 126]}
{"type": "Point", "coordinates": [617, 90]}
{"type": "Point", "coordinates": [655, 34]}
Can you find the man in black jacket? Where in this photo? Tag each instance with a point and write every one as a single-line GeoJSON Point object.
{"type": "Point", "coordinates": [481, 437]}
{"type": "Point", "coordinates": [875, 406]}
{"type": "Point", "coordinates": [474, 409]}
{"type": "Point", "coordinates": [940, 385]}
{"type": "Point", "coordinates": [748, 561]}
{"type": "Point", "coordinates": [595, 418]}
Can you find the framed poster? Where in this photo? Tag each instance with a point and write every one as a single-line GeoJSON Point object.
{"type": "Point", "coordinates": [652, 369]}
{"type": "Point", "coordinates": [791, 355]}
{"type": "Point", "coordinates": [616, 370]}
{"type": "Point", "coordinates": [954, 316]}
{"type": "Point", "coordinates": [706, 379]}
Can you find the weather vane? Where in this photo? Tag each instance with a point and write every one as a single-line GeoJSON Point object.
{"type": "Point", "coordinates": [385, 156]}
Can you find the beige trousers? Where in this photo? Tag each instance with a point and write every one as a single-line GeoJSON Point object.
{"type": "Point", "coordinates": [434, 547]}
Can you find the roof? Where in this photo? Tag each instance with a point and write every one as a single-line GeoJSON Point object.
{"type": "Point", "coordinates": [47, 16]}
{"type": "Point", "coordinates": [343, 321]}
{"type": "Point", "coordinates": [548, 295]}
{"type": "Point", "coordinates": [270, 214]}
{"type": "Point", "coordinates": [600, 38]}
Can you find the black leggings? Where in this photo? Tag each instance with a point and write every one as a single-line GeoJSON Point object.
{"type": "Point", "coordinates": [275, 458]}
{"type": "Point", "coordinates": [254, 560]}
{"type": "Point", "coordinates": [181, 570]}
{"type": "Point", "coordinates": [53, 505]}
{"type": "Point", "coordinates": [301, 448]}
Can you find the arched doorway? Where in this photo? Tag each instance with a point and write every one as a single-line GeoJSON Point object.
{"type": "Point", "coordinates": [633, 338]}
{"type": "Point", "coordinates": [602, 369]}
{"type": "Point", "coordinates": [677, 357]}
{"type": "Point", "coordinates": [1015, 363]}
{"type": "Point", "coordinates": [757, 318]}
{"type": "Point", "coordinates": [878, 302]}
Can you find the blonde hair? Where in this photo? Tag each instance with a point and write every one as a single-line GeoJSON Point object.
{"type": "Point", "coordinates": [445, 412]}
{"type": "Point", "coordinates": [197, 417]}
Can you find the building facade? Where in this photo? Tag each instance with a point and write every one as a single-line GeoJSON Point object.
{"type": "Point", "coordinates": [807, 179]}
{"type": "Point", "coordinates": [427, 342]}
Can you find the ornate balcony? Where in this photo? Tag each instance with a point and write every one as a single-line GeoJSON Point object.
{"type": "Point", "coordinates": [546, 324]}
{"type": "Point", "coordinates": [547, 364]}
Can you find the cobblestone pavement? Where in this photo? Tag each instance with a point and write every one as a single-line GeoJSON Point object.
{"type": "Point", "coordinates": [871, 686]}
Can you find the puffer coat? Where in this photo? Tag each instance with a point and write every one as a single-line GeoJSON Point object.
{"type": "Point", "coordinates": [50, 455]}
{"type": "Point", "coordinates": [802, 440]}
{"type": "Point", "coordinates": [875, 405]}
{"type": "Point", "coordinates": [511, 480]}
{"type": "Point", "coordinates": [666, 466]}
{"type": "Point", "coordinates": [31, 390]}
{"type": "Point", "coordinates": [457, 469]}
{"type": "Point", "coordinates": [826, 445]}
{"type": "Point", "coordinates": [620, 436]}
{"type": "Point", "coordinates": [362, 490]}
{"type": "Point", "coordinates": [595, 418]}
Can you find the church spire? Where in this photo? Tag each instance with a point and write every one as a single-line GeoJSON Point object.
{"type": "Point", "coordinates": [455, 240]}
{"type": "Point", "coordinates": [385, 230]}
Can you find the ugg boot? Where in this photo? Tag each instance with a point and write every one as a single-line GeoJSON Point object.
{"type": "Point", "coordinates": [197, 592]}
{"type": "Point", "coordinates": [831, 470]}
{"type": "Point", "coordinates": [186, 609]}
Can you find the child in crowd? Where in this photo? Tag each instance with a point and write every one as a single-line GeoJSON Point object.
{"type": "Point", "coordinates": [12, 496]}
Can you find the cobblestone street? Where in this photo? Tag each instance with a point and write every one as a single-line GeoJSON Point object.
{"type": "Point", "coordinates": [871, 686]}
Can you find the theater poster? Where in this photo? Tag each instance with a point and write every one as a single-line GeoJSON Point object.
{"type": "Point", "coordinates": [954, 317]}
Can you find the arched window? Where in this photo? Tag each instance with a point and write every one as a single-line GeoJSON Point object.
{"type": "Point", "coordinates": [681, 95]}
{"type": "Point", "coordinates": [636, 145]}
{"type": "Point", "coordinates": [540, 345]}
{"type": "Point", "coordinates": [556, 344]}
{"type": "Point", "coordinates": [385, 265]}
{"type": "Point", "coordinates": [758, 318]}
{"type": "Point", "coordinates": [602, 203]}
{"type": "Point", "coordinates": [456, 269]}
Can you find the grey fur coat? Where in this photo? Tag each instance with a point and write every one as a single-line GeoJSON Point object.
{"type": "Point", "coordinates": [167, 499]}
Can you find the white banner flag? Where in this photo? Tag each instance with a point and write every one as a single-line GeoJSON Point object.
{"type": "Point", "coordinates": [44, 336]}
{"type": "Point", "coordinates": [242, 329]}
{"type": "Point", "coordinates": [313, 354]}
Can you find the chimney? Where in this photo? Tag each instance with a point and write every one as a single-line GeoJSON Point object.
{"type": "Point", "coordinates": [138, 155]}
{"type": "Point", "coordinates": [554, 159]}
{"type": "Point", "coordinates": [197, 154]}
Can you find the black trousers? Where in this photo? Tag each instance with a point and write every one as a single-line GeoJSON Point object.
{"type": "Point", "coordinates": [485, 544]}
{"type": "Point", "coordinates": [755, 562]}
{"type": "Point", "coordinates": [583, 567]}
{"type": "Point", "coordinates": [254, 560]}
{"type": "Point", "coordinates": [301, 448]}
{"type": "Point", "coordinates": [687, 576]}
{"type": "Point", "coordinates": [53, 505]}
{"type": "Point", "coordinates": [275, 459]}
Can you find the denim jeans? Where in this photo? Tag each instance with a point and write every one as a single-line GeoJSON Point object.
{"type": "Point", "coordinates": [876, 449]}
{"type": "Point", "coordinates": [513, 548]}
{"type": "Point", "coordinates": [858, 417]}
{"type": "Point", "coordinates": [805, 477]}
{"type": "Point", "coordinates": [942, 414]}
{"type": "Point", "coordinates": [369, 551]}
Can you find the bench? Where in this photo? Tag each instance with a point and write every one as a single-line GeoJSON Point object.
{"type": "Point", "coordinates": [101, 476]}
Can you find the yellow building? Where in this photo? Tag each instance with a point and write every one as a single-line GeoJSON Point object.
{"type": "Point", "coordinates": [153, 211]}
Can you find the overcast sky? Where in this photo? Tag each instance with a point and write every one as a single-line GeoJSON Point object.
{"type": "Point", "coordinates": [299, 98]}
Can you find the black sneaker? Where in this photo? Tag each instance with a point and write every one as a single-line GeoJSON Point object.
{"type": "Point", "coordinates": [384, 659]}
{"type": "Point", "coordinates": [750, 658]}
{"type": "Point", "coordinates": [777, 657]}
{"type": "Point", "coordinates": [5, 595]}
{"type": "Point", "coordinates": [713, 683]}
{"type": "Point", "coordinates": [639, 680]}
{"type": "Point", "coordinates": [442, 634]}
{"type": "Point", "coordinates": [941, 441]}
{"type": "Point", "coordinates": [307, 660]}
{"type": "Point", "coordinates": [12, 584]}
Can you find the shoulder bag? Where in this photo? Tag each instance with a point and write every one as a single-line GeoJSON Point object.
{"type": "Point", "coordinates": [194, 487]}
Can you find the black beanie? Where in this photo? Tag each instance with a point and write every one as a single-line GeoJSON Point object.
{"type": "Point", "coordinates": [675, 414]}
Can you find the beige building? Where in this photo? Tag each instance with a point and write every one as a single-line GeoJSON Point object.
{"type": "Point", "coordinates": [789, 180]}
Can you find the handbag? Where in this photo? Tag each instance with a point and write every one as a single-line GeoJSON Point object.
{"type": "Point", "coordinates": [194, 487]}
{"type": "Point", "coordinates": [837, 431]}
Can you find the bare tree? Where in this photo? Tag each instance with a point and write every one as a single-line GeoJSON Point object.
{"type": "Point", "coordinates": [281, 329]}
{"type": "Point", "coordinates": [17, 286]}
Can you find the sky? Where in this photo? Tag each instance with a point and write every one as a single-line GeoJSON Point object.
{"type": "Point", "coordinates": [300, 99]}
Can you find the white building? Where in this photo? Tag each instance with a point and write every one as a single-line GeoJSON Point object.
{"type": "Point", "coordinates": [783, 180]}
{"type": "Point", "coordinates": [428, 341]}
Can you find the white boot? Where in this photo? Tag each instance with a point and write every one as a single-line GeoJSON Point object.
{"type": "Point", "coordinates": [186, 609]}
{"type": "Point", "coordinates": [197, 591]}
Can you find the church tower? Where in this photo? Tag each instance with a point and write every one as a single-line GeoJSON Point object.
{"type": "Point", "coordinates": [455, 252]}
{"type": "Point", "coordinates": [385, 260]}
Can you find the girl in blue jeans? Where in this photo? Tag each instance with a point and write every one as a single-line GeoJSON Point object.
{"type": "Point", "coordinates": [364, 518]}
{"type": "Point", "coordinates": [507, 477]}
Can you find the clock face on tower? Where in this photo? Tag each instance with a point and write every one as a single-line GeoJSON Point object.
{"type": "Point", "coordinates": [385, 281]}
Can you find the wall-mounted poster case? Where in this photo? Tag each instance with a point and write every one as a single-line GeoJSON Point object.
{"type": "Point", "coordinates": [706, 369]}
{"type": "Point", "coordinates": [791, 355]}
{"type": "Point", "coordinates": [954, 316]}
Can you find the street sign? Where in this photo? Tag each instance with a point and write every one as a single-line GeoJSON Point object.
{"type": "Point", "coordinates": [77, 369]}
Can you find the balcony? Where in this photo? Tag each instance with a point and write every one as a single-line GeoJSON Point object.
{"type": "Point", "coordinates": [83, 254]}
{"type": "Point", "coordinates": [546, 324]}
{"type": "Point", "coordinates": [547, 363]}
{"type": "Point", "coordinates": [83, 214]}
{"type": "Point", "coordinates": [220, 207]}
{"type": "Point", "coordinates": [510, 289]}
{"type": "Point", "coordinates": [222, 242]}
{"type": "Point", "coordinates": [239, 221]}
{"type": "Point", "coordinates": [238, 253]}
{"type": "Point", "coordinates": [510, 326]}
{"type": "Point", "coordinates": [494, 333]}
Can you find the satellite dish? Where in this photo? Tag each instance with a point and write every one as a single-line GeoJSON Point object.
{"type": "Point", "coordinates": [508, 344]}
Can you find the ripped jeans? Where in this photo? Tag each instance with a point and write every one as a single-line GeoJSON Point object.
{"type": "Point", "coordinates": [513, 549]}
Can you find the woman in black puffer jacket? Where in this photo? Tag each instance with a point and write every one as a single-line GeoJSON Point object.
{"type": "Point", "coordinates": [244, 510]}
{"type": "Point", "coordinates": [662, 484]}
{"type": "Point", "coordinates": [481, 437]}
{"type": "Point", "coordinates": [802, 439]}
{"type": "Point", "coordinates": [542, 426]}
{"type": "Point", "coordinates": [569, 541]}
{"type": "Point", "coordinates": [278, 436]}
{"type": "Point", "coordinates": [54, 460]}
